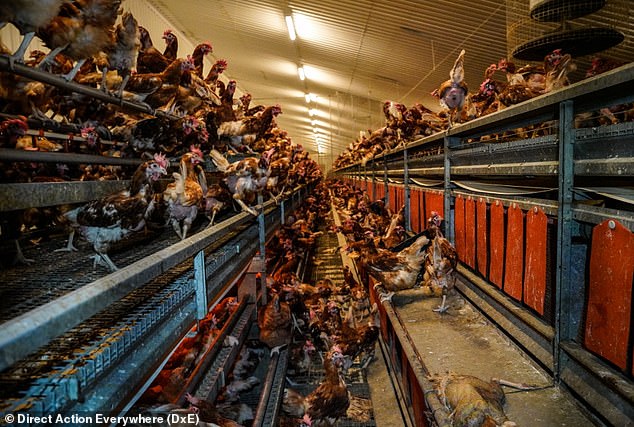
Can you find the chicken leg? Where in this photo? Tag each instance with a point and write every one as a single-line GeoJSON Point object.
{"type": "Point", "coordinates": [19, 255]}
{"type": "Point", "coordinates": [245, 207]}
{"type": "Point", "coordinates": [50, 57]}
{"type": "Point", "coordinates": [383, 296]}
{"type": "Point", "coordinates": [211, 219]}
{"type": "Point", "coordinates": [442, 308]}
{"type": "Point", "coordinates": [177, 228]}
{"type": "Point", "coordinates": [103, 260]}
{"type": "Point", "coordinates": [69, 246]}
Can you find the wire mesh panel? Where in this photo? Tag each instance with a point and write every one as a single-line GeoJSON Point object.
{"type": "Point", "coordinates": [579, 27]}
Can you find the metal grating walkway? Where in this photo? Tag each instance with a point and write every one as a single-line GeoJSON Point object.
{"type": "Point", "coordinates": [330, 266]}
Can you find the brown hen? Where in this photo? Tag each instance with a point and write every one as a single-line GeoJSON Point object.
{"type": "Point", "coordinates": [274, 321]}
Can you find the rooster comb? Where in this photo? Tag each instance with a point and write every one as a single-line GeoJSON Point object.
{"type": "Point", "coordinates": [161, 160]}
{"type": "Point", "coordinates": [484, 85]}
{"type": "Point", "coordinates": [166, 32]}
{"type": "Point", "coordinates": [20, 121]}
{"type": "Point", "coordinates": [222, 63]}
{"type": "Point", "coordinates": [196, 150]}
{"type": "Point", "coordinates": [191, 121]}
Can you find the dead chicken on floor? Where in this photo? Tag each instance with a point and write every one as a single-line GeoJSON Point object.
{"type": "Point", "coordinates": [472, 402]}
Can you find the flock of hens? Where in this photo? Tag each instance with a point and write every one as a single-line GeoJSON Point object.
{"type": "Point", "coordinates": [460, 105]}
{"type": "Point", "coordinates": [94, 43]}
{"type": "Point", "coordinates": [329, 327]}
{"type": "Point", "coordinates": [313, 320]}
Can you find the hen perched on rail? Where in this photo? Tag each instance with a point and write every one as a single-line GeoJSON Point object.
{"type": "Point", "coordinates": [184, 196]}
{"type": "Point", "coordinates": [80, 30]}
{"type": "Point", "coordinates": [399, 271]}
{"type": "Point", "coordinates": [28, 16]}
{"type": "Point", "coordinates": [453, 92]}
{"type": "Point", "coordinates": [108, 220]}
{"type": "Point", "coordinates": [244, 178]}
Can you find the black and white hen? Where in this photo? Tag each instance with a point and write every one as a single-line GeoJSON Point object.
{"type": "Point", "coordinates": [108, 220]}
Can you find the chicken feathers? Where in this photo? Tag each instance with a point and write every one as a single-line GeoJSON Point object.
{"type": "Point", "coordinates": [453, 92]}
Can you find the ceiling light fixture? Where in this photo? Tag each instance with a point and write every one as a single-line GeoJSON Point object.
{"type": "Point", "coordinates": [300, 71]}
{"type": "Point", "coordinates": [307, 97]}
{"type": "Point", "coordinates": [291, 27]}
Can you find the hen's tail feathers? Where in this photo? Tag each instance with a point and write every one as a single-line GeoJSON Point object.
{"type": "Point", "coordinates": [233, 128]}
{"type": "Point", "coordinates": [456, 75]}
{"type": "Point", "coordinates": [219, 160]}
{"type": "Point", "coordinates": [293, 403]}
{"type": "Point", "coordinates": [359, 409]}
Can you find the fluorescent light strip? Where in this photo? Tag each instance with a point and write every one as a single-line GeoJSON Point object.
{"type": "Point", "coordinates": [300, 71]}
{"type": "Point", "coordinates": [291, 27]}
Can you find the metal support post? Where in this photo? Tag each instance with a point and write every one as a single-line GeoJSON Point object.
{"type": "Point", "coordinates": [564, 232]}
{"type": "Point", "coordinates": [448, 213]}
{"type": "Point", "coordinates": [200, 284]}
{"type": "Point", "coordinates": [262, 238]}
{"type": "Point", "coordinates": [282, 213]}
{"type": "Point", "coordinates": [373, 198]}
{"type": "Point", "coordinates": [407, 213]}
{"type": "Point", "coordinates": [385, 186]}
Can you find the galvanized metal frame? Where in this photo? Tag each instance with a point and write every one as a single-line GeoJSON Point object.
{"type": "Point", "coordinates": [40, 194]}
{"type": "Point", "coordinates": [407, 213]}
{"type": "Point", "coordinates": [219, 267]}
{"type": "Point", "coordinates": [33, 73]}
{"type": "Point", "coordinates": [553, 347]}
{"type": "Point", "coordinates": [564, 230]}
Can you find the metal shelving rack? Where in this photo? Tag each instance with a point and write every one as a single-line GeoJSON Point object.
{"type": "Point", "coordinates": [19, 196]}
{"type": "Point", "coordinates": [181, 283]}
{"type": "Point", "coordinates": [546, 172]}
{"type": "Point", "coordinates": [200, 271]}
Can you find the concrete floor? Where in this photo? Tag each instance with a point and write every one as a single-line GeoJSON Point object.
{"type": "Point", "coordinates": [384, 403]}
{"type": "Point", "coordinates": [464, 342]}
